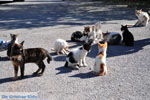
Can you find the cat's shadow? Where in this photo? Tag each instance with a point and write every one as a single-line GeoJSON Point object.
{"type": "Point", "coordinates": [84, 75]}
{"type": "Point", "coordinates": [9, 79]}
{"type": "Point", "coordinates": [4, 59]}
{"type": "Point", "coordinates": [64, 70]}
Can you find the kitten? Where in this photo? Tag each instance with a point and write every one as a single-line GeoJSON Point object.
{"type": "Point", "coordinates": [14, 39]}
{"type": "Point", "coordinates": [61, 46]}
{"type": "Point", "coordinates": [100, 67]}
{"type": "Point", "coordinates": [20, 57]}
{"type": "Point", "coordinates": [113, 38]}
{"type": "Point", "coordinates": [143, 18]}
{"type": "Point", "coordinates": [128, 38]}
{"type": "Point", "coordinates": [76, 58]}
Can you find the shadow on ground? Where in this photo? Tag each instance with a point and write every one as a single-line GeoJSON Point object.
{"type": "Point", "coordinates": [118, 50]}
{"type": "Point", "coordinates": [64, 70]}
{"type": "Point", "coordinates": [34, 15]}
{"type": "Point", "coordinates": [84, 75]}
{"type": "Point", "coordinates": [4, 59]}
{"type": "Point", "coordinates": [6, 80]}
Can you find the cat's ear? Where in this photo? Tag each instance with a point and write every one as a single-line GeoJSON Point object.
{"type": "Point", "coordinates": [22, 43]}
{"type": "Point", "coordinates": [11, 34]}
{"type": "Point", "coordinates": [122, 25]}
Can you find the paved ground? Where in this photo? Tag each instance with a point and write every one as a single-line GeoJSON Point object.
{"type": "Point", "coordinates": [40, 23]}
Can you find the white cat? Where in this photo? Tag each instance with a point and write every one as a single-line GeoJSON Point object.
{"type": "Point", "coordinates": [61, 46]}
{"type": "Point", "coordinates": [76, 58]}
{"type": "Point", "coordinates": [143, 18]}
{"type": "Point", "coordinates": [100, 67]}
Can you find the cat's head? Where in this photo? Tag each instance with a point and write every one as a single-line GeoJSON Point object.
{"type": "Point", "coordinates": [105, 35]}
{"type": "Point", "coordinates": [97, 26]}
{"type": "Point", "coordinates": [124, 27]}
{"type": "Point", "coordinates": [138, 12]}
{"type": "Point", "coordinates": [102, 45]}
{"type": "Point", "coordinates": [14, 37]}
{"type": "Point", "coordinates": [87, 29]}
{"type": "Point", "coordinates": [87, 46]}
{"type": "Point", "coordinates": [16, 49]}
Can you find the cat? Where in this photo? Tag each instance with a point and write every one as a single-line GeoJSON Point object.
{"type": "Point", "coordinates": [79, 36]}
{"type": "Point", "coordinates": [61, 46]}
{"type": "Point", "coordinates": [100, 67]}
{"type": "Point", "coordinates": [113, 38]}
{"type": "Point", "coordinates": [128, 38]}
{"type": "Point", "coordinates": [4, 45]}
{"type": "Point", "coordinates": [143, 18]}
{"type": "Point", "coordinates": [14, 39]}
{"type": "Point", "coordinates": [94, 32]}
{"type": "Point", "coordinates": [76, 58]}
{"type": "Point", "coordinates": [20, 57]}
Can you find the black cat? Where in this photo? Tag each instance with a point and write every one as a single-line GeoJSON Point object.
{"type": "Point", "coordinates": [20, 56]}
{"type": "Point", "coordinates": [128, 38]}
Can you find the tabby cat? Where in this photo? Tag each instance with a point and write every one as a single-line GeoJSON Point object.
{"type": "Point", "coordinates": [20, 56]}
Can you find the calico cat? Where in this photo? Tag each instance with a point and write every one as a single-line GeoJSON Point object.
{"type": "Point", "coordinates": [20, 57]}
{"type": "Point", "coordinates": [14, 39]}
{"type": "Point", "coordinates": [143, 18]}
{"type": "Point", "coordinates": [76, 58]}
{"type": "Point", "coordinates": [128, 38]}
{"type": "Point", "coordinates": [61, 46]}
{"type": "Point", "coordinates": [100, 67]}
{"type": "Point", "coordinates": [113, 38]}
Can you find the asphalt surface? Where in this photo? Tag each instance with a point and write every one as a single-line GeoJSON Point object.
{"type": "Point", "coordinates": [40, 23]}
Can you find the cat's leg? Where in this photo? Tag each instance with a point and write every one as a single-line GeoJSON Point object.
{"type": "Point", "coordinates": [66, 64]}
{"type": "Point", "coordinates": [80, 62]}
{"type": "Point", "coordinates": [84, 63]}
{"type": "Point", "coordinates": [102, 70]}
{"type": "Point", "coordinates": [58, 51]}
{"type": "Point", "coordinates": [15, 71]}
{"type": "Point", "coordinates": [39, 65]}
{"type": "Point", "coordinates": [138, 23]}
{"type": "Point", "coordinates": [42, 67]}
{"type": "Point", "coordinates": [22, 70]}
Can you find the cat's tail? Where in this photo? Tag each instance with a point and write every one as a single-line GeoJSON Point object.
{"type": "Point", "coordinates": [49, 58]}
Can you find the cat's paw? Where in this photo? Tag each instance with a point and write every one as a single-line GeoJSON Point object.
{"type": "Point", "coordinates": [74, 67]}
{"type": "Point", "coordinates": [85, 65]}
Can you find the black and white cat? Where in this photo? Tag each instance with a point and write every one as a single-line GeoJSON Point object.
{"type": "Point", "coordinates": [76, 58]}
{"type": "Point", "coordinates": [78, 36]}
{"type": "Point", "coordinates": [90, 32]}
{"type": "Point", "coordinates": [128, 38]}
